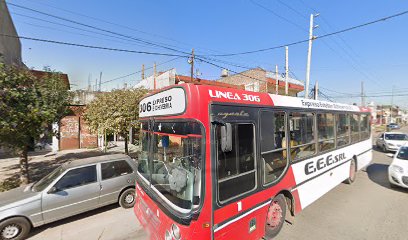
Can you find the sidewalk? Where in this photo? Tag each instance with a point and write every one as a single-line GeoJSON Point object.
{"type": "Point", "coordinates": [41, 163]}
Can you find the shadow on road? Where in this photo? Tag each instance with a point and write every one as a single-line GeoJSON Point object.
{"type": "Point", "coordinates": [40, 229]}
{"type": "Point", "coordinates": [378, 173]}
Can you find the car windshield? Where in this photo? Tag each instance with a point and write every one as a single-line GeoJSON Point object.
{"type": "Point", "coordinates": [45, 181]}
{"type": "Point", "coordinates": [403, 153]}
{"type": "Point", "coordinates": [172, 165]}
{"type": "Point", "coordinates": [398, 137]}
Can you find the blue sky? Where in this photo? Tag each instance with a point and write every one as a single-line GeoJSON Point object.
{"type": "Point", "coordinates": [376, 54]}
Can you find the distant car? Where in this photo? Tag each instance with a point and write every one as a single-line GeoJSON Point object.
{"type": "Point", "coordinates": [70, 189]}
{"type": "Point", "coordinates": [393, 126]}
{"type": "Point", "coordinates": [391, 141]}
{"type": "Point", "coordinates": [398, 169]}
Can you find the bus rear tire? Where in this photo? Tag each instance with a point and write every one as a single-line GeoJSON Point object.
{"type": "Point", "coordinates": [275, 217]}
{"type": "Point", "coordinates": [352, 173]}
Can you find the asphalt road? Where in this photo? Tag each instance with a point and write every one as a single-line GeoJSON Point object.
{"type": "Point", "coordinates": [367, 209]}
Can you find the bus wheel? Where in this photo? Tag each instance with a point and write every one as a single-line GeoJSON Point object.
{"type": "Point", "coordinates": [352, 176]}
{"type": "Point", "coordinates": [275, 217]}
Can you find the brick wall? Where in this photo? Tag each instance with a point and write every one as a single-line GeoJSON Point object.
{"type": "Point", "coordinates": [247, 77]}
{"type": "Point", "coordinates": [74, 132]}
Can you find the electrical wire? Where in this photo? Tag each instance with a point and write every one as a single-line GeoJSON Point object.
{"type": "Point", "coordinates": [314, 38]}
{"type": "Point", "coordinates": [96, 28]}
{"type": "Point", "coordinates": [92, 46]}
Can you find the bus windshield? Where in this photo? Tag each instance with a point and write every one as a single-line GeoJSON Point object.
{"type": "Point", "coordinates": [170, 160]}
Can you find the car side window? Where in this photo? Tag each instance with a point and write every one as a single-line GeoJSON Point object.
{"type": "Point", "coordinates": [115, 169]}
{"type": "Point", "coordinates": [77, 177]}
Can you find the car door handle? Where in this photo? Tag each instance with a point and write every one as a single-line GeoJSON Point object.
{"type": "Point", "coordinates": [100, 187]}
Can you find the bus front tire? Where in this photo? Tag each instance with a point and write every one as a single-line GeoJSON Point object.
{"type": "Point", "coordinates": [275, 217]}
{"type": "Point", "coordinates": [352, 173]}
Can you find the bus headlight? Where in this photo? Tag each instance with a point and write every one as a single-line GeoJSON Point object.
{"type": "Point", "coordinates": [397, 169]}
{"type": "Point", "coordinates": [167, 236]}
{"type": "Point", "coordinates": [175, 230]}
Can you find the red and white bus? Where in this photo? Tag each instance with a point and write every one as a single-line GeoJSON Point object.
{"type": "Point", "coordinates": [219, 163]}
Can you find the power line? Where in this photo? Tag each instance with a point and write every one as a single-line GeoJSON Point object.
{"type": "Point", "coordinates": [373, 96]}
{"type": "Point", "coordinates": [123, 26]}
{"type": "Point", "coordinates": [76, 28]}
{"type": "Point", "coordinates": [130, 74]}
{"type": "Point", "coordinates": [318, 37]}
{"type": "Point", "coordinates": [107, 31]}
{"type": "Point", "coordinates": [278, 15]}
{"type": "Point", "coordinates": [92, 46]}
{"type": "Point", "coordinates": [97, 28]}
{"type": "Point", "coordinates": [221, 67]}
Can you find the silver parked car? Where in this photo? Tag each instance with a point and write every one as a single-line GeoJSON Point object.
{"type": "Point", "coordinates": [70, 189]}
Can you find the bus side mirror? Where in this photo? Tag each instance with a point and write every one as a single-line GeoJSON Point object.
{"type": "Point", "coordinates": [226, 137]}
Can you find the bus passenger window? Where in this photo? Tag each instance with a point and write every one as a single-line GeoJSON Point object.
{"type": "Point", "coordinates": [273, 145]}
{"type": "Point", "coordinates": [325, 129]}
{"type": "Point", "coordinates": [236, 169]}
{"type": "Point", "coordinates": [343, 129]}
{"type": "Point", "coordinates": [364, 126]}
{"type": "Point", "coordinates": [302, 135]}
{"type": "Point", "coordinates": [355, 132]}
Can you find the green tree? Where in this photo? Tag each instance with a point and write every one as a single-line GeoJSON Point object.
{"type": "Point", "coordinates": [115, 112]}
{"type": "Point", "coordinates": [28, 105]}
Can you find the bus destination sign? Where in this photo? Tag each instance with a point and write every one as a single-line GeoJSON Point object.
{"type": "Point", "coordinates": [168, 102]}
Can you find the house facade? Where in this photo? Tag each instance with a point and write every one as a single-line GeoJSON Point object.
{"type": "Point", "coordinates": [10, 48]}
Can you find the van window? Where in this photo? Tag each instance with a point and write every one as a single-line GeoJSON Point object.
{"type": "Point", "coordinates": [77, 177]}
{"type": "Point", "coordinates": [115, 169]}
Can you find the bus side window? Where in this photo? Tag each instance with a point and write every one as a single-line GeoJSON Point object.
{"type": "Point", "coordinates": [236, 169]}
{"type": "Point", "coordinates": [302, 135]}
{"type": "Point", "coordinates": [343, 127]}
{"type": "Point", "coordinates": [325, 127]}
{"type": "Point", "coordinates": [364, 126]}
{"type": "Point", "coordinates": [355, 130]}
{"type": "Point", "coordinates": [273, 145]}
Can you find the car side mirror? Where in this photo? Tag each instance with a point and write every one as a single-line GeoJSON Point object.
{"type": "Point", "coordinates": [226, 137]}
{"type": "Point", "coordinates": [390, 155]}
{"type": "Point", "coordinates": [53, 190]}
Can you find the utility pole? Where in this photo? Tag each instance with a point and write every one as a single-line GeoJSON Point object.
{"type": "Point", "coordinates": [362, 94]}
{"type": "Point", "coordinates": [192, 65]}
{"type": "Point", "coordinates": [154, 76]}
{"type": "Point", "coordinates": [89, 82]}
{"type": "Point", "coordinates": [100, 81]}
{"type": "Point", "coordinates": [392, 103]}
{"type": "Point", "coordinates": [143, 72]}
{"type": "Point", "coordinates": [286, 70]}
{"type": "Point", "coordinates": [277, 80]}
{"type": "Point", "coordinates": [309, 53]}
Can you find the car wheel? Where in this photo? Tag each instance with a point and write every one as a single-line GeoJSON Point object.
{"type": "Point", "coordinates": [16, 228]}
{"type": "Point", "coordinates": [352, 172]}
{"type": "Point", "coordinates": [127, 198]}
{"type": "Point", "coordinates": [275, 217]}
{"type": "Point", "coordinates": [384, 149]}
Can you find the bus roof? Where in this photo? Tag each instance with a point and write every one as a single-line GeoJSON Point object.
{"type": "Point", "coordinates": [173, 100]}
